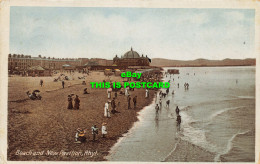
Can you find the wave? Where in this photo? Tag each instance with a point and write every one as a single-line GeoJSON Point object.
{"type": "Point", "coordinates": [246, 97]}
{"type": "Point", "coordinates": [223, 110]}
{"type": "Point", "coordinates": [195, 136]}
{"type": "Point", "coordinates": [229, 145]}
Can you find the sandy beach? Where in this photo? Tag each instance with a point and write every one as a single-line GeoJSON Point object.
{"type": "Point", "coordinates": [45, 129]}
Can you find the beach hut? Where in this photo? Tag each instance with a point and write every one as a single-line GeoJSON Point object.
{"type": "Point", "coordinates": [117, 72]}
{"type": "Point", "coordinates": [108, 72]}
{"type": "Point", "coordinates": [38, 71]}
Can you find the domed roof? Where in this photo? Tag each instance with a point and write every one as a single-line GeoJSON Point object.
{"type": "Point", "coordinates": [131, 54]}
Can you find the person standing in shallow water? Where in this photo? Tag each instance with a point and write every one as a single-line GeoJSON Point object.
{"type": "Point", "coordinates": [70, 106]}
{"type": "Point", "coordinates": [157, 109]}
{"type": "Point", "coordinates": [177, 110]}
{"type": "Point", "coordinates": [178, 122]}
{"type": "Point", "coordinates": [77, 102]}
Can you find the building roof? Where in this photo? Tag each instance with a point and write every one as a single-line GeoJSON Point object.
{"type": "Point", "coordinates": [91, 63]}
{"type": "Point", "coordinates": [37, 68]}
{"type": "Point", "coordinates": [66, 65]}
{"type": "Point", "coordinates": [131, 54]}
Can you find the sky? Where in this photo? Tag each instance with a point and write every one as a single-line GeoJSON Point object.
{"type": "Point", "coordinates": [171, 33]}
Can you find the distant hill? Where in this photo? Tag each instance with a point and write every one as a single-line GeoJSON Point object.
{"type": "Point", "coordinates": [159, 62]}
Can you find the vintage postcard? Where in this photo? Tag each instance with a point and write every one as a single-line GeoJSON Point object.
{"type": "Point", "coordinates": [129, 81]}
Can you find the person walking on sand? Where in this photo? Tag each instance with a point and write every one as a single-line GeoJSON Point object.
{"type": "Point", "coordinates": [178, 122]}
{"type": "Point", "coordinates": [77, 102]}
{"type": "Point", "coordinates": [41, 82]}
{"type": "Point", "coordinates": [104, 130]}
{"type": "Point", "coordinates": [70, 105]}
{"type": "Point", "coordinates": [109, 90]}
{"type": "Point", "coordinates": [128, 101]}
{"type": "Point", "coordinates": [113, 105]}
{"type": "Point", "coordinates": [106, 110]}
{"type": "Point", "coordinates": [135, 101]}
{"type": "Point", "coordinates": [62, 83]}
{"type": "Point", "coordinates": [177, 110]}
{"type": "Point", "coordinates": [146, 93]}
{"type": "Point", "coordinates": [126, 92]}
{"type": "Point", "coordinates": [94, 130]}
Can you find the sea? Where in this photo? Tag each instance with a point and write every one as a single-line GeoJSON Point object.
{"type": "Point", "coordinates": [218, 117]}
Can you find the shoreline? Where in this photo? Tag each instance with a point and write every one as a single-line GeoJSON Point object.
{"type": "Point", "coordinates": [50, 127]}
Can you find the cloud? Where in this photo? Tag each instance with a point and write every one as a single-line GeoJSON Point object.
{"type": "Point", "coordinates": [177, 34]}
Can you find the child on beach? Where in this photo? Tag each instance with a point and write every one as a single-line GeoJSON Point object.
{"type": "Point", "coordinates": [80, 136]}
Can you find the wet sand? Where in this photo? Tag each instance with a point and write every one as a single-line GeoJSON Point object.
{"type": "Point", "coordinates": [47, 125]}
{"type": "Point", "coordinates": [187, 152]}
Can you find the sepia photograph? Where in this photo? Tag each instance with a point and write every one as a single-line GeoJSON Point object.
{"type": "Point", "coordinates": [131, 84]}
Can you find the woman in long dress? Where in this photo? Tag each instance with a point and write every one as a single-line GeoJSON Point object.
{"type": "Point", "coordinates": [106, 110]}
{"type": "Point", "coordinates": [104, 130]}
{"type": "Point", "coordinates": [70, 106]}
{"type": "Point", "coordinates": [126, 91]}
{"type": "Point", "coordinates": [77, 101]}
{"type": "Point", "coordinates": [109, 90]}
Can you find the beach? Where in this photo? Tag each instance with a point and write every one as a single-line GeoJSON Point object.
{"type": "Point", "coordinates": [45, 129]}
{"type": "Point", "coordinates": [218, 120]}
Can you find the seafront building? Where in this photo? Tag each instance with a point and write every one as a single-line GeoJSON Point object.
{"type": "Point", "coordinates": [22, 63]}
{"type": "Point", "coordinates": [131, 58]}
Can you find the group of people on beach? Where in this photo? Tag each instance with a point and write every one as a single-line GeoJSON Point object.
{"type": "Point", "coordinates": [80, 136]}
{"type": "Point", "coordinates": [76, 102]}
{"type": "Point", "coordinates": [162, 95]}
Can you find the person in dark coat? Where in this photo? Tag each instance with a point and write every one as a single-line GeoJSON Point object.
{"type": "Point", "coordinates": [41, 82]}
{"type": "Point", "coordinates": [178, 122]}
{"type": "Point", "coordinates": [77, 101]}
{"type": "Point", "coordinates": [113, 105]}
{"type": "Point", "coordinates": [168, 103]}
{"type": "Point", "coordinates": [63, 83]}
{"type": "Point", "coordinates": [177, 110]}
{"type": "Point", "coordinates": [70, 106]}
{"type": "Point", "coordinates": [135, 101]}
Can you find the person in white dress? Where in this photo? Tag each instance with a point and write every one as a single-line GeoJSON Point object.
{"type": "Point", "coordinates": [126, 92]}
{"type": "Point", "coordinates": [109, 90]}
{"type": "Point", "coordinates": [104, 130]}
{"type": "Point", "coordinates": [106, 110]}
{"type": "Point", "coordinates": [146, 93]}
